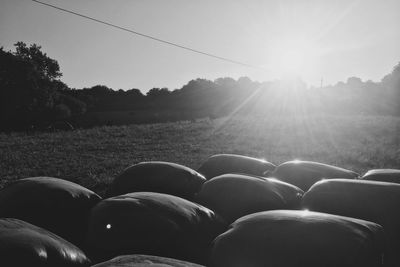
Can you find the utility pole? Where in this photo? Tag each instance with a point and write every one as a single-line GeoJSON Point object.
{"type": "Point", "coordinates": [322, 81]}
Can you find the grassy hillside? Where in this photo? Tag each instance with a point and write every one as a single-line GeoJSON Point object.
{"type": "Point", "coordinates": [93, 157]}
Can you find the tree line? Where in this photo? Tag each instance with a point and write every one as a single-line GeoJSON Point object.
{"type": "Point", "coordinates": [33, 96]}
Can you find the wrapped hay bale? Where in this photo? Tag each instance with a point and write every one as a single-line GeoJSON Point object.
{"type": "Point", "coordinates": [377, 202]}
{"type": "Point", "coordinates": [154, 224]}
{"type": "Point", "coordinates": [304, 174]}
{"type": "Point", "coordinates": [23, 244]}
{"type": "Point", "coordinates": [57, 205]}
{"type": "Point", "coordinates": [229, 163]}
{"type": "Point", "coordinates": [159, 177]}
{"type": "Point", "coordinates": [287, 238]}
{"type": "Point", "coordinates": [234, 195]}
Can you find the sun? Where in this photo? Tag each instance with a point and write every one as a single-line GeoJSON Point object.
{"type": "Point", "coordinates": [293, 61]}
{"type": "Point", "coordinates": [296, 58]}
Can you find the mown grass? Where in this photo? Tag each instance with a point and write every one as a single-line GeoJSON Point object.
{"type": "Point", "coordinates": [93, 157]}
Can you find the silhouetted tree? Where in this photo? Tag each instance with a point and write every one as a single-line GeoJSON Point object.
{"type": "Point", "coordinates": [392, 84]}
{"type": "Point", "coordinates": [354, 82]}
{"type": "Point", "coordinates": [158, 92]}
{"type": "Point", "coordinates": [134, 93]}
{"type": "Point", "coordinates": [30, 92]}
{"type": "Point", "coordinates": [46, 67]}
{"type": "Point", "coordinates": [76, 106]}
{"type": "Point", "coordinates": [61, 112]}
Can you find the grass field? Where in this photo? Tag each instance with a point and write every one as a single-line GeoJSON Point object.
{"type": "Point", "coordinates": [93, 157]}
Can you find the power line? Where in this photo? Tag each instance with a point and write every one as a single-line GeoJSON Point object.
{"type": "Point", "coordinates": [151, 37]}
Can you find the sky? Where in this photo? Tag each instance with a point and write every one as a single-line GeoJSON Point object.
{"type": "Point", "coordinates": [312, 39]}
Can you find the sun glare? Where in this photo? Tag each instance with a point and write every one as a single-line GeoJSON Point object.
{"type": "Point", "coordinates": [305, 213]}
{"type": "Point", "coordinates": [296, 58]}
{"type": "Point", "coordinates": [293, 61]}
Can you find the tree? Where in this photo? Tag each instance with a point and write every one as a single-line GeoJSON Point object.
{"type": "Point", "coordinates": [61, 112]}
{"type": "Point", "coordinates": [391, 82]}
{"type": "Point", "coordinates": [76, 106]}
{"type": "Point", "coordinates": [47, 67]}
{"type": "Point", "coordinates": [100, 90]}
{"type": "Point", "coordinates": [158, 93]}
{"type": "Point", "coordinates": [134, 93]}
{"type": "Point", "coordinates": [354, 82]}
{"type": "Point", "coordinates": [30, 91]}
